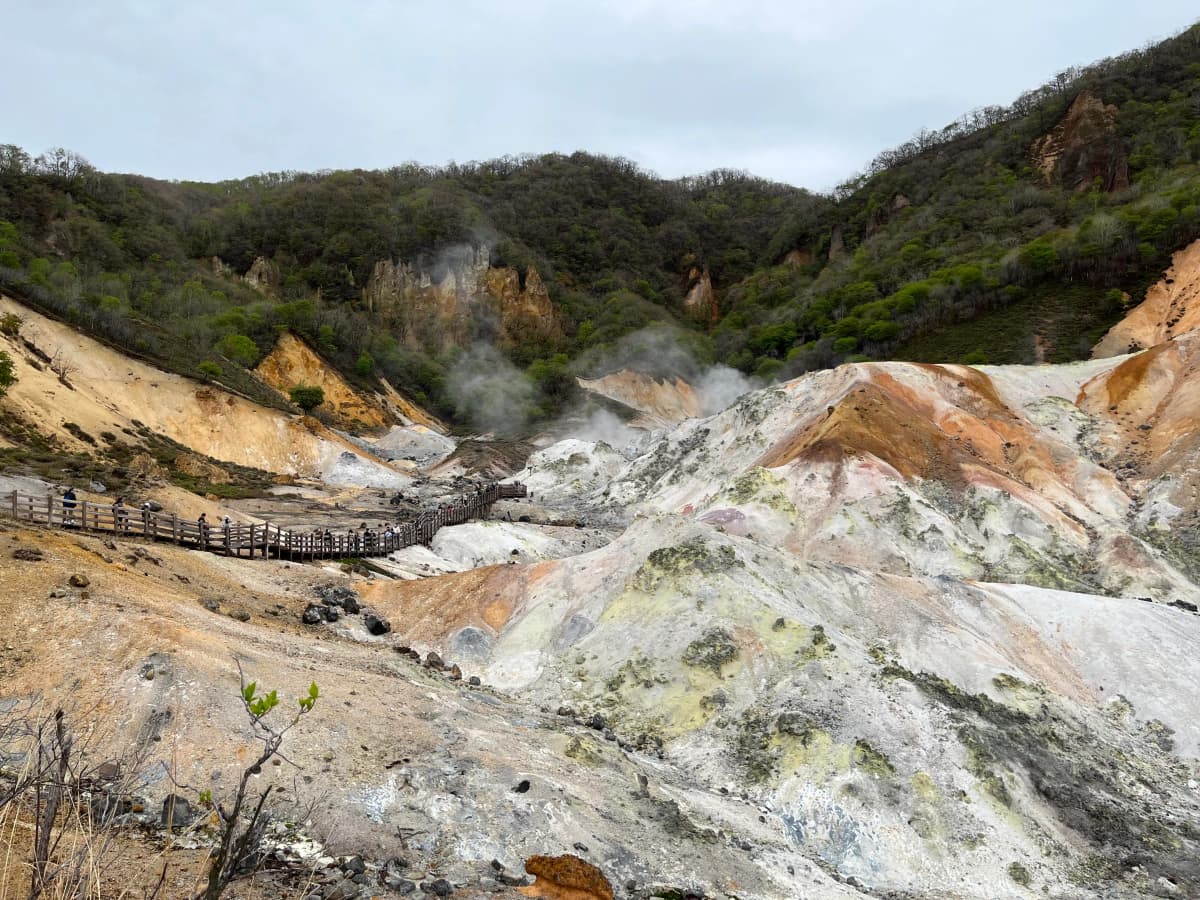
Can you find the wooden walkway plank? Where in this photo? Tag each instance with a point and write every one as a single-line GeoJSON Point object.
{"type": "Point", "coordinates": [231, 540]}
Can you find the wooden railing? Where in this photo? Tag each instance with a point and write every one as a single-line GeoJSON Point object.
{"type": "Point", "coordinates": [257, 540]}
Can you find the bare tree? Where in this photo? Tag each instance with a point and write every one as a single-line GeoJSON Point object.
{"type": "Point", "coordinates": [73, 803]}
{"type": "Point", "coordinates": [63, 366]}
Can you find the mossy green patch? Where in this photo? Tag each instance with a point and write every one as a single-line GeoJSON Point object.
{"type": "Point", "coordinates": [1054, 568]}
{"type": "Point", "coordinates": [1119, 710]}
{"type": "Point", "coordinates": [1026, 697]}
{"type": "Point", "coordinates": [583, 750]}
{"type": "Point", "coordinates": [761, 486]}
{"type": "Point", "coordinates": [815, 755]}
{"type": "Point", "coordinates": [791, 641]}
{"type": "Point", "coordinates": [713, 650]}
{"type": "Point", "coordinates": [640, 699]}
{"type": "Point", "coordinates": [1019, 874]}
{"type": "Point", "coordinates": [927, 816]}
{"type": "Point", "coordinates": [870, 760]}
{"type": "Point", "coordinates": [695, 557]}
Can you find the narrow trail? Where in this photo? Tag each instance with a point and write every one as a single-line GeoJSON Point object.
{"type": "Point", "coordinates": [262, 541]}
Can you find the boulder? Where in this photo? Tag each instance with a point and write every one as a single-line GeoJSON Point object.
{"type": "Point", "coordinates": [176, 813]}
{"type": "Point", "coordinates": [376, 624]}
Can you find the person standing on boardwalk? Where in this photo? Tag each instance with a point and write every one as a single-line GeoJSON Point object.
{"type": "Point", "coordinates": [120, 515]}
{"type": "Point", "coordinates": [68, 502]}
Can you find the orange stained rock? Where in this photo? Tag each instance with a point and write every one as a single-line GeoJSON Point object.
{"type": "Point", "coordinates": [666, 399]}
{"type": "Point", "coordinates": [292, 362]}
{"type": "Point", "coordinates": [1153, 399]}
{"type": "Point", "coordinates": [971, 429]}
{"type": "Point", "coordinates": [1171, 308]}
{"type": "Point", "coordinates": [566, 877]}
{"type": "Point", "coordinates": [432, 609]}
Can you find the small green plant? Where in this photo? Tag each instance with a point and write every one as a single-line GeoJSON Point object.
{"type": "Point", "coordinates": [307, 397]}
{"type": "Point", "coordinates": [209, 370]}
{"type": "Point", "coordinates": [10, 324]}
{"type": "Point", "coordinates": [241, 825]}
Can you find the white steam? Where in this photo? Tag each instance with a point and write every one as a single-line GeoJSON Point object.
{"type": "Point", "coordinates": [489, 391]}
{"type": "Point", "coordinates": [718, 387]}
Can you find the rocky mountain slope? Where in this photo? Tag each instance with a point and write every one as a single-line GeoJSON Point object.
{"type": "Point", "coordinates": [1007, 236]}
{"type": "Point", "coordinates": [105, 392]}
{"type": "Point", "coordinates": [937, 622]}
{"type": "Point", "coordinates": [892, 630]}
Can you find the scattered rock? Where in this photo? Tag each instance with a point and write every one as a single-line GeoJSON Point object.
{"type": "Point", "coordinates": [522, 787]}
{"type": "Point", "coordinates": [313, 614]}
{"type": "Point", "coordinates": [176, 813]}
{"type": "Point", "coordinates": [474, 681]}
{"type": "Point", "coordinates": [211, 604]}
{"type": "Point", "coordinates": [1184, 605]}
{"type": "Point", "coordinates": [433, 661]}
{"type": "Point", "coordinates": [455, 673]}
{"type": "Point", "coordinates": [395, 867]}
{"type": "Point", "coordinates": [354, 865]}
{"type": "Point", "coordinates": [376, 624]}
{"type": "Point", "coordinates": [400, 885]}
{"type": "Point", "coordinates": [28, 554]}
{"type": "Point", "coordinates": [441, 887]}
{"type": "Point", "coordinates": [338, 595]}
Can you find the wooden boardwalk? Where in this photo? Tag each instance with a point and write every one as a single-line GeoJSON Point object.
{"type": "Point", "coordinates": [260, 541]}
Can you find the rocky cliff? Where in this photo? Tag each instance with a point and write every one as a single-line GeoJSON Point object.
{"type": "Point", "coordinates": [1171, 308]}
{"type": "Point", "coordinates": [1084, 147]}
{"type": "Point", "coordinates": [700, 303]}
{"type": "Point", "coordinates": [460, 299]}
{"type": "Point", "coordinates": [292, 363]}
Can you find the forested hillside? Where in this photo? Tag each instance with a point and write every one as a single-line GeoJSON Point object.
{"type": "Point", "coordinates": [1011, 235]}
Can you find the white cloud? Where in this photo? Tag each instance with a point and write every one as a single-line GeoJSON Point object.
{"type": "Point", "coordinates": [803, 92]}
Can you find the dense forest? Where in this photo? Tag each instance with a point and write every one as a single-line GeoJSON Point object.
{"type": "Point", "coordinates": [1035, 222]}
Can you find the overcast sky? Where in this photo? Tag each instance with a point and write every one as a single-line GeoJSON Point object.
{"type": "Point", "coordinates": [804, 91]}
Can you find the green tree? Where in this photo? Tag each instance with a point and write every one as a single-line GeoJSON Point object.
{"type": "Point", "coordinates": [8, 376]}
{"type": "Point", "coordinates": [238, 348]}
{"type": "Point", "coordinates": [307, 397]}
{"type": "Point", "coordinates": [209, 370]}
{"type": "Point", "coordinates": [365, 365]}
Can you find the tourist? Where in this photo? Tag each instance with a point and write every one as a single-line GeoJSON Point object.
{"type": "Point", "coordinates": [69, 502]}
{"type": "Point", "coordinates": [120, 515]}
